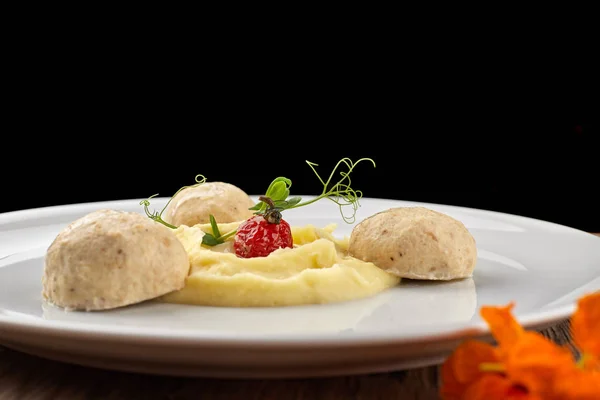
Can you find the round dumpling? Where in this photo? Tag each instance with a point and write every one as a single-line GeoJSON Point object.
{"type": "Point", "coordinates": [109, 259]}
{"type": "Point", "coordinates": [193, 205]}
{"type": "Point", "coordinates": [415, 243]}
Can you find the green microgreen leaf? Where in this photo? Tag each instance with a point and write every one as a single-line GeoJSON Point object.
{"type": "Point", "coordinates": [215, 238]}
{"type": "Point", "coordinates": [210, 240]}
{"type": "Point", "coordinates": [278, 190]}
{"type": "Point", "coordinates": [291, 202]}
{"type": "Point", "coordinates": [257, 206]}
{"type": "Point", "coordinates": [214, 226]}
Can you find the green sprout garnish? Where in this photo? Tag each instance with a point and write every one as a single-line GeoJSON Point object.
{"type": "Point", "coordinates": [340, 193]}
{"type": "Point", "coordinates": [215, 238]}
{"type": "Point", "coordinates": [276, 199]}
{"type": "Point", "coordinates": [277, 192]}
{"type": "Point", "coordinates": [157, 216]}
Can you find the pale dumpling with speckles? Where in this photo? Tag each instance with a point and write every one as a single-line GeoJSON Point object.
{"type": "Point", "coordinates": [193, 205]}
{"type": "Point", "coordinates": [109, 259]}
{"type": "Point", "coordinates": [415, 243]}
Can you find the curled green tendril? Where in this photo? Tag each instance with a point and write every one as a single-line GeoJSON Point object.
{"type": "Point", "coordinates": [157, 216]}
{"type": "Point", "coordinates": [340, 192]}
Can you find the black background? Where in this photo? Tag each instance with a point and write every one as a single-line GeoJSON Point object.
{"type": "Point", "coordinates": [97, 129]}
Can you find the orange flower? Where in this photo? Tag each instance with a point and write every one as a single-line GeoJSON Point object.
{"type": "Point", "coordinates": [526, 365]}
{"type": "Point", "coordinates": [582, 382]}
{"type": "Point", "coordinates": [505, 329]}
{"type": "Point", "coordinates": [576, 384]}
{"type": "Point", "coordinates": [529, 359]}
{"type": "Point", "coordinates": [493, 386]}
{"type": "Point", "coordinates": [462, 369]}
{"type": "Point", "coordinates": [534, 361]}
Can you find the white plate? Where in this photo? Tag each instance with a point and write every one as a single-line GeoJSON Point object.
{"type": "Point", "coordinates": [541, 266]}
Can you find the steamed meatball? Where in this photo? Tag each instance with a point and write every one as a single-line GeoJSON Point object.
{"type": "Point", "coordinates": [415, 243]}
{"type": "Point", "coordinates": [193, 205]}
{"type": "Point", "coordinates": [110, 259]}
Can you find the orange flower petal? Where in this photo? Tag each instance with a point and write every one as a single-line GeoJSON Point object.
{"type": "Point", "coordinates": [590, 362]}
{"type": "Point", "coordinates": [535, 361]}
{"type": "Point", "coordinates": [505, 329]}
{"type": "Point", "coordinates": [462, 367]}
{"type": "Point", "coordinates": [585, 324]}
{"type": "Point", "coordinates": [469, 356]}
{"type": "Point", "coordinates": [576, 384]}
{"type": "Point", "coordinates": [497, 387]}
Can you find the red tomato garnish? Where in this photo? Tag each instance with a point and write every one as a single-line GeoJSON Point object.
{"type": "Point", "coordinates": [258, 238]}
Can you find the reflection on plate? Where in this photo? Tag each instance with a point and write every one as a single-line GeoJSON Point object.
{"type": "Point", "coordinates": [450, 302]}
{"type": "Point", "coordinates": [442, 303]}
{"type": "Point", "coordinates": [329, 318]}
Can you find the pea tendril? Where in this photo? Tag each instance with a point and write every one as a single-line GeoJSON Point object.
{"type": "Point", "coordinates": [340, 192]}
{"type": "Point", "coordinates": [276, 198]}
{"type": "Point", "coordinates": [157, 216]}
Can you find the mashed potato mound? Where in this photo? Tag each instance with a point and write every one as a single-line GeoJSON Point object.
{"type": "Point", "coordinates": [317, 270]}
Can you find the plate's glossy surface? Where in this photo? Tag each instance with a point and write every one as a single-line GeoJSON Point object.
{"type": "Point", "coordinates": [541, 266]}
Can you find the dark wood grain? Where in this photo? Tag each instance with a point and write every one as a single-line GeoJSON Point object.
{"type": "Point", "coordinates": [24, 377]}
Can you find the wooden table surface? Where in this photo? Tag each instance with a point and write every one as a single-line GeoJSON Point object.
{"type": "Point", "coordinates": [25, 377]}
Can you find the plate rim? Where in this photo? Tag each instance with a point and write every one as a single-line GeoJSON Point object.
{"type": "Point", "coordinates": [91, 331]}
{"type": "Point", "coordinates": [6, 217]}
